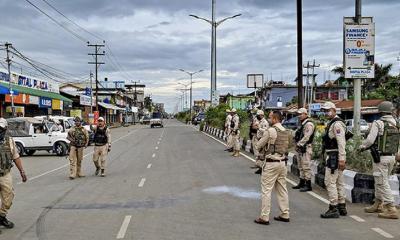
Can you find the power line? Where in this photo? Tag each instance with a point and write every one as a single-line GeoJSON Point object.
{"type": "Point", "coordinates": [56, 22]}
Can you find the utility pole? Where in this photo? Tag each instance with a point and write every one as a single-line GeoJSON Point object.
{"type": "Point", "coordinates": [357, 82]}
{"type": "Point", "coordinates": [91, 92]}
{"type": "Point", "coordinates": [214, 24]}
{"type": "Point", "coordinates": [135, 101]}
{"type": "Point", "coordinates": [299, 53]}
{"type": "Point", "coordinates": [309, 96]}
{"type": "Point", "coordinates": [8, 60]}
{"type": "Point", "coordinates": [306, 100]}
{"type": "Point", "coordinates": [97, 64]}
{"type": "Point", "coordinates": [398, 77]}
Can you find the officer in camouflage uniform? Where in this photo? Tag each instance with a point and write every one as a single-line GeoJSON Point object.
{"type": "Point", "coordinates": [228, 131]}
{"type": "Point", "coordinates": [334, 146]}
{"type": "Point", "coordinates": [304, 137]}
{"type": "Point", "coordinates": [102, 142]}
{"type": "Point", "coordinates": [79, 139]}
{"type": "Point", "coordinates": [8, 157]}
{"type": "Point", "coordinates": [275, 142]}
{"type": "Point", "coordinates": [262, 126]}
{"type": "Point", "coordinates": [383, 141]}
{"type": "Point", "coordinates": [235, 124]}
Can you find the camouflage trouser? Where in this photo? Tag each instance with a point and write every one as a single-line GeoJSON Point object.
{"type": "Point", "coordinates": [6, 193]}
{"type": "Point", "coordinates": [381, 172]}
{"type": "Point", "coordinates": [99, 156]}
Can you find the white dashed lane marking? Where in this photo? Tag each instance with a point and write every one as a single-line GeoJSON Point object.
{"type": "Point", "coordinates": [124, 227]}
{"type": "Point", "coordinates": [141, 184]}
{"type": "Point", "coordinates": [383, 233]}
{"type": "Point", "coordinates": [154, 155]}
{"type": "Point", "coordinates": [156, 148]}
{"type": "Point", "coordinates": [149, 166]}
{"type": "Point", "coordinates": [357, 218]}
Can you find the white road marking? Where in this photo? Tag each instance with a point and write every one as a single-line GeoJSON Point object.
{"type": "Point", "coordinates": [156, 148]}
{"type": "Point", "coordinates": [124, 227]}
{"type": "Point", "coordinates": [158, 143]}
{"type": "Point", "coordinates": [141, 184]}
{"type": "Point", "coordinates": [154, 155]}
{"type": "Point", "coordinates": [357, 218]}
{"type": "Point", "coordinates": [65, 165]}
{"type": "Point", "coordinates": [288, 180]}
{"type": "Point", "coordinates": [149, 166]}
{"type": "Point", "coordinates": [383, 233]}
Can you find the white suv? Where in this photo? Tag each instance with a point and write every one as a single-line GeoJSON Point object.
{"type": "Point", "coordinates": [31, 135]}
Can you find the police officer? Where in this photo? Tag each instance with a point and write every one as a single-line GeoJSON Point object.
{"type": "Point", "coordinates": [228, 131]}
{"type": "Point", "coordinates": [383, 140]}
{"type": "Point", "coordinates": [304, 137]}
{"type": "Point", "coordinates": [79, 139]}
{"type": "Point", "coordinates": [276, 143]}
{"type": "Point", "coordinates": [8, 156]}
{"type": "Point", "coordinates": [102, 142]}
{"type": "Point", "coordinates": [262, 126]}
{"type": "Point", "coordinates": [334, 145]}
{"type": "Point", "coordinates": [235, 133]}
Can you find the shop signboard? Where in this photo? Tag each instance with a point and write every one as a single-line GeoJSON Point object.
{"type": "Point", "coordinates": [20, 98]}
{"type": "Point", "coordinates": [57, 104]}
{"type": "Point", "coordinates": [75, 113]}
{"type": "Point", "coordinates": [34, 100]}
{"type": "Point", "coordinates": [30, 82]}
{"type": "Point", "coordinates": [45, 102]}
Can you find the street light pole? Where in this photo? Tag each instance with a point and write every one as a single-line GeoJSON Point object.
{"type": "Point", "coordinates": [357, 82]}
{"type": "Point", "coordinates": [191, 87]}
{"type": "Point", "coordinates": [10, 89]}
{"type": "Point", "coordinates": [214, 24]}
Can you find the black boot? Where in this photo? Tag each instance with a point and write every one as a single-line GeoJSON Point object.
{"type": "Point", "coordinates": [259, 171]}
{"type": "Point", "coordinates": [307, 186]}
{"type": "Point", "coordinates": [300, 185]}
{"type": "Point", "coordinates": [333, 212]}
{"type": "Point", "coordinates": [342, 209]}
{"type": "Point", "coordinates": [6, 223]}
{"type": "Point", "coordinates": [229, 150]}
{"type": "Point", "coordinates": [97, 171]}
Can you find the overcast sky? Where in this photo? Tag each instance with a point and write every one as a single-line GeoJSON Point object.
{"type": "Point", "coordinates": [151, 39]}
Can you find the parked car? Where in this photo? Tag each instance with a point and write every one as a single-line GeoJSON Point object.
{"type": "Point", "coordinates": [31, 135]}
{"type": "Point", "coordinates": [156, 120]}
{"type": "Point", "coordinates": [292, 123]}
{"type": "Point", "coordinates": [364, 127]}
{"type": "Point", "coordinates": [64, 124]}
{"type": "Point", "coordinates": [145, 120]}
{"type": "Point", "coordinates": [199, 118]}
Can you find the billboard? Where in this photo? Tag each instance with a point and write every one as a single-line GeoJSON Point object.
{"type": "Point", "coordinates": [255, 80]}
{"type": "Point", "coordinates": [359, 48]}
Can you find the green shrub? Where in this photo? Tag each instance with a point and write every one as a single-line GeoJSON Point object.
{"type": "Point", "coordinates": [202, 124]}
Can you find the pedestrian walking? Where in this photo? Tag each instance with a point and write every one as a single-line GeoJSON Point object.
{"type": "Point", "coordinates": [235, 125]}
{"type": "Point", "coordinates": [383, 141]}
{"type": "Point", "coordinates": [334, 146]}
{"type": "Point", "coordinates": [102, 142]}
{"type": "Point", "coordinates": [8, 156]}
{"type": "Point", "coordinates": [304, 138]}
{"type": "Point", "coordinates": [79, 139]}
{"type": "Point", "coordinates": [274, 171]}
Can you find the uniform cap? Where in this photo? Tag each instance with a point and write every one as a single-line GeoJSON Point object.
{"type": "Point", "coordinates": [260, 112]}
{"type": "Point", "coordinates": [100, 119]}
{"type": "Point", "coordinates": [228, 110]}
{"type": "Point", "coordinates": [329, 105]}
{"type": "Point", "coordinates": [385, 107]}
{"type": "Point", "coordinates": [302, 110]}
{"type": "Point", "coordinates": [77, 119]}
{"type": "Point", "coordinates": [233, 110]}
{"type": "Point", "coordinates": [3, 123]}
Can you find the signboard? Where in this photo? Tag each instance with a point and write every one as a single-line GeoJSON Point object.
{"type": "Point", "coordinates": [215, 98]}
{"type": "Point", "coordinates": [19, 111]}
{"type": "Point", "coordinates": [20, 98]}
{"type": "Point", "coordinates": [112, 84]}
{"type": "Point", "coordinates": [25, 81]}
{"type": "Point", "coordinates": [45, 102]}
{"type": "Point", "coordinates": [34, 100]}
{"type": "Point", "coordinates": [75, 113]}
{"type": "Point", "coordinates": [315, 107]}
{"type": "Point", "coordinates": [96, 116]}
{"type": "Point", "coordinates": [359, 48]}
{"type": "Point", "coordinates": [57, 104]}
{"type": "Point", "coordinates": [255, 80]}
{"type": "Point", "coordinates": [86, 100]}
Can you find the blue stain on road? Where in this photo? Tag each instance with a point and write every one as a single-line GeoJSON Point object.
{"type": "Point", "coordinates": [234, 191]}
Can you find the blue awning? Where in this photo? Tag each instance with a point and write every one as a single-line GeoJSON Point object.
{"type": "Point", "coordinates": [5, 90]}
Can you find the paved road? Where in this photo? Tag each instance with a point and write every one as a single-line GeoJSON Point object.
{"type": "Point", "coordinates": [167, 183]}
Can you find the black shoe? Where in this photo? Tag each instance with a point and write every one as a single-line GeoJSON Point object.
{"type": "Point", "coordinates": [281, 219]}
{"type": "Point", "coordinates": [261, 221]}
{"type": "Point", "coordinates": [332, 212]}
{"type": "Point", "coordinates": [259, 171]}
{"type": "Point", "coordinates": [342, 209]}
{"type": "Point", "coordinates": [300, 185]}
{"type": "Point", "coordinates": [97, 171]}
{"type": "Point", "coordinates": [307, 186]}
{"type": "Point", "coordinates": [7, 224]}
{"type": "Point", "coordinates": [229, 150]}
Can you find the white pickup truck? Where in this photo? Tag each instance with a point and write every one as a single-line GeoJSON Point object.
{"type": "Point", "coordinates": [31, 135]}
{"type": "Point", "coordinates": [156, 120]}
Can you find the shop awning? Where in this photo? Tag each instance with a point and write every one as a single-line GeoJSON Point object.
{"type": "Point", "coordinates": [5, 90]}
{"type": "Point", "coordinates": [110, 106]}
{"type": "Point", "coordinates": [36, 92]}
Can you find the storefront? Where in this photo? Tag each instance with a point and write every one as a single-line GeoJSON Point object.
{"type": "Point", "coordinates": [111, 113]}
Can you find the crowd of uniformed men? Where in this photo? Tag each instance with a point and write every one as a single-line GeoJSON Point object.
{"type": "Point", "coordinates": [79, 140]}
{"type": "Point", "coordinates": [271, 143]}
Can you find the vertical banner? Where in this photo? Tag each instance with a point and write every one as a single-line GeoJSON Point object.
{"type": "Point", "coordinates": [95, 116]}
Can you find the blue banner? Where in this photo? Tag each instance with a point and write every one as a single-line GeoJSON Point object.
{"type": "Point", "coordinates": [45, 102]}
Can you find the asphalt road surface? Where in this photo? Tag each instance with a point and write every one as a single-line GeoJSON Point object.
{"type": "Point", "coordinates": [168, 183]}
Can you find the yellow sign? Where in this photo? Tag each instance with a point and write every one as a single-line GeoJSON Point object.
{"type": "Point", "coordinates": [18, 109]}
{"type": "Point", "coordinates": [57, 104]}
{"type": "Point", "coordinates": [76, 113]}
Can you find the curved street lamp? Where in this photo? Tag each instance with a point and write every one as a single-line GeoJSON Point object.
{"type": "Point", "coordinates": [191, 86]}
